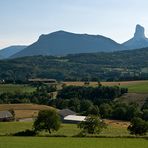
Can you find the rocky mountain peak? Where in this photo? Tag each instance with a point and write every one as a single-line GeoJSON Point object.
{"type": "Point", "coordinates": [139, 32]}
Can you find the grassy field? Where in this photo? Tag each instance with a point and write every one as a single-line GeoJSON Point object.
{"type": "Point", "coordinates": [7, 128]}
{"type": "Point", "coordinates": [69, 130]}
{"type": "Point", "coordinates": [133, 86]}
{"type": "Point", "coordinates": [45, 142]}
{"type": "Point", "coordinates": [139, 87]}
{"type": "Point", "coordinates": [24, 110]}
{"type": "Point", "coordinates": [15, 88]}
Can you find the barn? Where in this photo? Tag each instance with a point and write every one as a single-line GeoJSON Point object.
{"type": "Point", "coordinates": [69, 116]}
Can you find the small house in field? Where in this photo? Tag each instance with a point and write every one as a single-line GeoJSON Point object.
{"type": "Point", "coordinates": [5, 116]}
{"type": "Point", "coordinates": [69, 116]}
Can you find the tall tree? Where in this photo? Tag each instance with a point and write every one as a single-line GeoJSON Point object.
{"type": "Point", "coordinates": [91, 125]}
{"type": "Point", "coordinates": [47, 120]}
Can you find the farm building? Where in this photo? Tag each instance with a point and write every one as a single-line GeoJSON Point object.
{"type": "Point", "coordinates": [65, 112]}
{"type": "Point", "coordinates": [47, 81]}
{"type": "Point", "coordinates": [6, 116]}
{"type": "Point", "coordinates": [69, 116]}
{"type": "Point", "coordinates": [74, 119]}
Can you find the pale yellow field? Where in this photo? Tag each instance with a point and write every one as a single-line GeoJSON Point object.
{"type": "Point", "coordinates": [24, 110]}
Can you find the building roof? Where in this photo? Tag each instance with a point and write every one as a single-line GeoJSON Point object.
{"type": "Point", "coordinates": [5, 114]}
{"type": "Point", "coordinates": [75, 118]}
{"type": "Point", "coordinates": [41, 80]}
{"type": "Point", "coordinates": [66, 112]}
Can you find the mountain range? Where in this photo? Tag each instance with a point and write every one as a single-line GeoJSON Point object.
{"type": "Point", "coordinates": [62, 43]}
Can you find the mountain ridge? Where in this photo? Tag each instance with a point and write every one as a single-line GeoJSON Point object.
{"type": "Point", "coordinates": [61, 43]}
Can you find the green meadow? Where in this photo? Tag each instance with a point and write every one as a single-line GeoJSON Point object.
{"type": "Point", "coordinates": [141, 87]}
{"type": "Point", "coordinates": [69, 130]}
{"type": "Point", "coordinates": [15, 88]}
{"type": "Point", "coordinates": [51, 142]}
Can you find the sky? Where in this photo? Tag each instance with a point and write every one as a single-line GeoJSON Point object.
{"type": "Point", "coordinates": [23, 21]}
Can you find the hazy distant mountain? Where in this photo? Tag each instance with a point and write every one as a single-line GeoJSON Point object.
{"type": "Point", "coordinates": [62, 43]}
{"type": "Point", "coordinates": [9, 51]}
{"type": "Point", "coordinates": [138, 41]}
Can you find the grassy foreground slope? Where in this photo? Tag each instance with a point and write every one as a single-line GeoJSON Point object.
{"type": "Point", "coordinates": [40, 142]}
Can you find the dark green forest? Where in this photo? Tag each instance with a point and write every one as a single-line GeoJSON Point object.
{"type": "Point", "coordinates": [113, 66]}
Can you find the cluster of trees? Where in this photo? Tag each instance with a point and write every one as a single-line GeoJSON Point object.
{"type": "Point", "coordinates": [138, 126]}
{"type": "Point", "coordinates": [86, 100]}
{"type": "Point", "coordinates": [83, 107]}
{"type": "Point", "coordinates": [35, 97]}
{"type": "Point", "coordinates": [94, 94]}
{"type": "Point", "coordinates": [119, 111]}
{"type": "Point", "coordinates": [99, 101]}
{"type": "Point", "coordinates": [123, 111]}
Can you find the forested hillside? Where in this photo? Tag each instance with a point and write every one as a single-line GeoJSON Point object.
{"type": "Point", "coordinates": [123, 65]}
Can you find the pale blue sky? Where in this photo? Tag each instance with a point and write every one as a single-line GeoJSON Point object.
{"type": "Point", "coordinates": [22, 21]}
